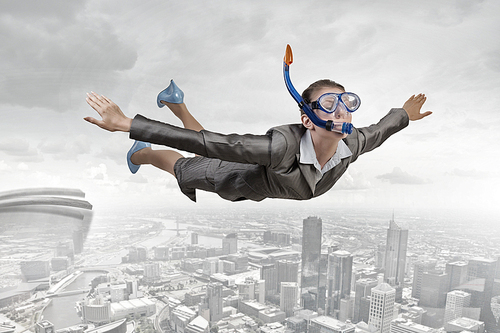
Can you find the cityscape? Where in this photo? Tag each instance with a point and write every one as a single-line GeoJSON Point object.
{"type": "Point", "coordinates": [65, 268]}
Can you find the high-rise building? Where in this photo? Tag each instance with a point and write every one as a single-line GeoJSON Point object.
{"type": "Point", "coordinates": [311, 254]}
{"type": "Point", "coordinates": [456, 301]}
{"type": "Point", "coordinates": [287, 270]}
{"type": "Point", "coordinates": [338, 286]}
{"type": "Point", "coordinates": [252, 289]}
{"type": "Point", "coordinates": [213, 301]}
{"type": "Point", "coordinates": [269, 274]}
{"type": "Point", "coordinates": [194, 238]}
{"type": "Point", "coordinates": [289, 292]}
{"type": "Point", "coordinates": [481, 271]}
{"type": "Point", "coordinates": [395, 257]}
{"type": "Point", "coordinates": [434, 289]}
{"type": "Point", "coordinates": [362, 299]}
{"type": "Point", "coordinates": [152, 272]}
{"type": "Point", "coordinates": [230, 244]}
{"type": "Point", "coordinates": [78, 239]}
{"type": "Point", "coordinates": [382, 307]}
{"type": "Point", "coordinates": [419, 268]}
{"type": "Point", "coordinates": [457, 273]}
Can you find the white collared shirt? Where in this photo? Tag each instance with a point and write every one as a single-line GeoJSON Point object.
{"type": "Point", "coordinates": [308, 155]}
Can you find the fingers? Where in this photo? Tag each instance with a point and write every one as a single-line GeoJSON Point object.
{"type": "Point", "coordinates": [94, 121]}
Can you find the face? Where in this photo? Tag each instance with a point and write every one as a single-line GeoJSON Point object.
{"type": "Point", "coordinates": [340, 115]}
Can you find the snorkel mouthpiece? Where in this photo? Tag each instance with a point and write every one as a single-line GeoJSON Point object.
{"type": "Point", "coordinates": [344, 128]}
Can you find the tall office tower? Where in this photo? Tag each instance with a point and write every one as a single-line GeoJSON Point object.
{"type": "Point", "coordinates": [380, 256]}
{"type": "Point", "coordinates": [395, 257]}
{"type": "Point", "coordinates": [287, 270]}
{"type": "Point", "coordinates": [482, 272]}
{"type": "Point", "coordinates": [434, 289]}
{"type": "Point", "coordinates": [78, 239]}
{"type": "Point", "coordinates": [152, 272]}
{"type": "Point", "coordinates": [289, 292]}
{"type": "Point", "coordinates": [212, 302]}
{"type": "Point", "coordinates": [269, 274]}
{"type": "Point", "coordinates": [419, 268]}
{"type": "Point", "coordinates": [457, 273]}
{"type": "Point", "coordinates": [251, 289]}
{"type": "Point", "coordinates": [456, 301]}
{"type": "Point", "coordinates": [362, 296]}
{"type": "Point", "coordinates": [338, 285]}
{"type": "Point", "coordinates": [311, 253]}
{"type": "Point", "coordinates": [65, 249]}
{"type": "Point", "coordinates": [194, 238]}
{"type": "Point", "coordinates": [230, 244]}
{"type": "Point", "coordinates": [382, 307]}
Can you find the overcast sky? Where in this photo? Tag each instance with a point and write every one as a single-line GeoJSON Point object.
{"type": "Point", "coordinates": [227, 57]}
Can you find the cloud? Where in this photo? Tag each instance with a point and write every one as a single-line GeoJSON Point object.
{"type": "Point", "coordinates": [18, 147]}
{"type": "Point", "coordinates": [4, 166]}
{"type": "Point", "coordinates": [137, 178]}
{"type": "Point", "coordinates": [49, 56]}
{"type": "Point", "coordinates": [471, 173]}
{"type": "Point", "coordinates": [23, 167]}
{"type": "Point", "coordinates": [398, 176]}
{"type": "Point", "coordinates": [65, 148]}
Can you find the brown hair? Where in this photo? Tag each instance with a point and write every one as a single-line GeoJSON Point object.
{"type": "Point", "coordinates": [325, 83]}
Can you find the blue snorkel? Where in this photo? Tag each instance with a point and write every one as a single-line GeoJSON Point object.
{"type": "Point", "coordinates": [329, 125]}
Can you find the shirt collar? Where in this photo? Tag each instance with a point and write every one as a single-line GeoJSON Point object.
{"type": "Point", "coordinates": [308, 155]}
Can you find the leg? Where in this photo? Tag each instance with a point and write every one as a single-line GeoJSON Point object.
{"type": "Point", "coordinates": [162, 159]}
{"type": "Point", "coordinates": [181, 112]}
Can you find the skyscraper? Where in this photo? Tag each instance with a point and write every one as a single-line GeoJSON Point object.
{"type": "Point", "coordinates": [311, 253]}
{"type": "Point", "coordinates": [395, 257]}
{"type": "Point", "coordinates": [362, 297]}
{"type": "Point", "coordinates": [434, 289]}
{"type": "Point", "coordinates": [287, 271]}
{"type": "Point", "coordinates": [289, 292]}
{"type": "Point", "coordinates": [482, 271]}
{"type": "Point", "coordinates": [382, 307]}
{"type": "Point", "coordinates": [419, 268]}
{"type": "Point", "coordinates": [457, 273]}
{"type": "Point", "coordinates": [456, 301]}
{"type": "Point", "coordinates": [213, 302]}
{"type": "Point", "coordinates": [230, 244]}
{"type": "Point", "coordinates": [269, 274]}
{"type": "Point", "coordinates": [338, 286]}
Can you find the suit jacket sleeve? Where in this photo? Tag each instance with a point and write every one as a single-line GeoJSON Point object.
{"type": "Point", "coordinates": [252, 149]}
{"type": "Point", "coordinates": [371, 137]}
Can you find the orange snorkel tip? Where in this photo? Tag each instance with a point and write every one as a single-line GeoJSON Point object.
{"type": "Point", "coordinates": [288, 55]}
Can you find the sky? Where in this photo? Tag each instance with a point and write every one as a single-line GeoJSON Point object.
{"type": "Point", "coordinates": [227, 57]}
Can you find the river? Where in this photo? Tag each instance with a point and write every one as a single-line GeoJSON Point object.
{"type": "Point", "coordinates": [61, 311]}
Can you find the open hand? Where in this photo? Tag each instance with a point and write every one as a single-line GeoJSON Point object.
{"type": "Point", "coordinates": [113, 118]}
{"type": "Point", "coordinates": [413, 105]}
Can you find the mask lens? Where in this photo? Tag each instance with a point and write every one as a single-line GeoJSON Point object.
{"type": "Point", "coordinates": [351, 101]}
{"type": "Point", "coordinates": [328, 102]}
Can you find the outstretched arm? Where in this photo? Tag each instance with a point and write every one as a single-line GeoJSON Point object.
{"type": "Point", "coordinates": [413, 105]}
{"type": "Point", "coordinates": [112, 116]}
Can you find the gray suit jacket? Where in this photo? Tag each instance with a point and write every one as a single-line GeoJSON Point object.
{"type": "Point", "coordinates": [256, 167]}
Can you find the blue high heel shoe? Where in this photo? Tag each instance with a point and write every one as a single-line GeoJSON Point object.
{"type": "Point", "coordinates": [171, 94]}
{"type": "Point", "coordinates": [138, 145]}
